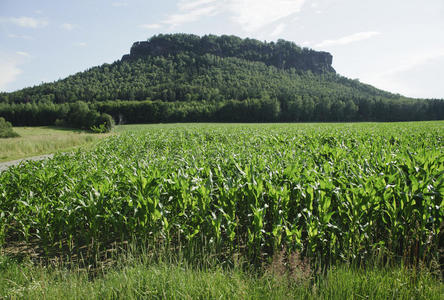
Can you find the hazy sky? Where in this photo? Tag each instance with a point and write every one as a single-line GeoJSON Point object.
{"type": "Point", "coordinates": [396, 45]}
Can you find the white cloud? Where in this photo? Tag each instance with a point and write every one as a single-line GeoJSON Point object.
{"type": "Point", "coordinates": [119, 4]}
{"type": "Point", "coordinates": [81, 44]}
{"type": "Point", "coordinates": [360, 36]}
{"type": "Point", "coordinates": [68, 26]}
{"type": "Point", "coordinates": [190, 16]}
{"type": "Point", "coordinates": [405, 64]}
{"type": "Point", "coordinates": [26, 22]}
{"type": "Point", "coordinates": [278, 30]}
{"type": "Point", "coordinates": [189, 11]}
{"type": "Point", "coordinates": [150, 26]}
{"type": "Point", "coordinates": [411, 61]}
{"type": "Point", "coordinates": [253, 15]}
{"type": "Point", "coordinates": [23, 53]}
{"type": "Point", "coordinates": [15, 36]}
{"type": "Point", "coordinates": [188, 5]}
{"type": "Point", "coordinates": [9, 70]}
{"type": "Point", "coordinates": [411, 76]}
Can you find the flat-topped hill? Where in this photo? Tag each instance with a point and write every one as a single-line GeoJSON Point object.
{"type": "Point", "coordinates": [283, 54]}
{"type": "Point", "coordinates": [187, 78]}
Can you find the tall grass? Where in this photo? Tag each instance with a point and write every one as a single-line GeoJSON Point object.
{"type": "Point", "coordinates": [43, 140]}
{"type": "Point", "coordinates": [139, 277]}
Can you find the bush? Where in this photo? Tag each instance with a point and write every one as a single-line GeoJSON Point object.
{"type": "Point", "coordinates": [60, 123]}
{"type": "Point", "coordinates": [6, 129]}
{"type": "Point", "coordinates": [81, 116]}
{"type": "Point", "coordinates": [103, 123]}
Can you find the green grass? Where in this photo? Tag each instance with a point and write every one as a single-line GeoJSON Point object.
{"type": "Point", "coordinates": [35, 141]}
{"type": "Point", "coordinates": [138, 277]}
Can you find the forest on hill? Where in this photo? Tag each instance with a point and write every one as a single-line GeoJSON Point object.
{"type": "Point", "coordinates": [186, 78]}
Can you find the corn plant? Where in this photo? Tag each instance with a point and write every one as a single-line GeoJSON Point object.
{"type": "Point", "coordinates": [336, 192]}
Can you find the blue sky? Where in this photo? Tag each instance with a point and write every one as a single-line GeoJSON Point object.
{"type": "Point", "coordinates": [396, 45]}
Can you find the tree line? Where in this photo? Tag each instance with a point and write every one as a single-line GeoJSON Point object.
{"type": "Point", "coordinates": [76, 115]}
{"type": "Point", "coordinates": [264, 109]}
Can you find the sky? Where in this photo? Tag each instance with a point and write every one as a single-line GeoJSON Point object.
{"type": "Point", "coordinates": [394, 45]}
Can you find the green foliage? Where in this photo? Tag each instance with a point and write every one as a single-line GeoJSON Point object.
{"type": "Point", "coordinates": [80, 116]}
{"type": "Point", "coordinates": [105, 124]}
{"type": "Point", "coordinates": [336, 193]}
{"type": "Point", "coordinates": [215, 79]}
{"type": "Point", "coordinates": [6, 130]}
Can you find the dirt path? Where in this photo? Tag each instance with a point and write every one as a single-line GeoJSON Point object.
{"type": "Point", "coordinates": [7, 164]}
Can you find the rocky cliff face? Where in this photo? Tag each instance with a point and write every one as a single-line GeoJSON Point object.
{"type": "Point", "coordinates": [318, 61]}
{"type": "Point", "coordinates": [282, 54]}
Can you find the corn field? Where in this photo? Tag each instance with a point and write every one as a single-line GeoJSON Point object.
{"type": "Point", "coordinates": [333, 192]}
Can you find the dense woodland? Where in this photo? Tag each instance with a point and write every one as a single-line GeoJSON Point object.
{"type": "Point", "coordinates": [178, 78]}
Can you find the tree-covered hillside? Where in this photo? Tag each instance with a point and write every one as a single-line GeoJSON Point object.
{"type": "Point", "coordinates": [180, 77]}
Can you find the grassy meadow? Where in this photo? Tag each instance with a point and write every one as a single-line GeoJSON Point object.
{"type": "Point", "coordinates": [33, 141]}
{"type": "Point", "coordinates": [141, 278]}
{"type": "Point", "coordinates": [188, 211]}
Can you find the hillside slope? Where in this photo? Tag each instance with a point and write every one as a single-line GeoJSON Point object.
{"type": "Point", "coordinates": [182, 77]}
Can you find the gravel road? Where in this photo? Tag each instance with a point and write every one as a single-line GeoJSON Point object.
{"type": "Point", "coordinates": [7, 164]}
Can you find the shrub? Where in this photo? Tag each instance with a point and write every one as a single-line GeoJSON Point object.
{"type": "Point", "coordinates": [103, 123]}
{"type": "Point", "coordinates": [81, 116]}
{"type": "Point", "coordinates": [6, 130]}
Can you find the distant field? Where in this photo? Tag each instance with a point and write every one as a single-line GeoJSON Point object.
{"type": "Point", "coordinates": [43, 140]}
{"type": "Point", "coordinates": [379, 126]}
